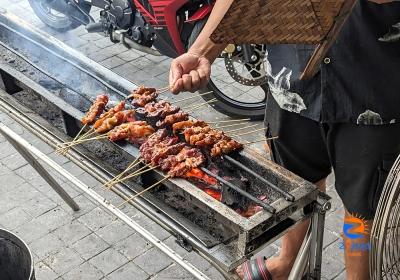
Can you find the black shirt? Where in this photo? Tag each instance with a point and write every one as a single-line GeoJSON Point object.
{"type": "Point", "coordinates": [359, 80]}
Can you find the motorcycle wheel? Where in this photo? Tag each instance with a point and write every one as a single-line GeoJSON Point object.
{"type": "Point", "coordinates": [55, 19]}
{"type": "Point", "coordinates": [228, 104]}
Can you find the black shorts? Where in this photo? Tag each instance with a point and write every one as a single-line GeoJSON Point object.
{"type": "Point", "coordinates": [361, 156]}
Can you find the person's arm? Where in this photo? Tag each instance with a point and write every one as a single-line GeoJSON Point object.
{"type": "Point", "coordinates": [192, 70]}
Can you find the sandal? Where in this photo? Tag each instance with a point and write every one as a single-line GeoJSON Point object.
{"type": "Point", "coordinates": [256, 269]}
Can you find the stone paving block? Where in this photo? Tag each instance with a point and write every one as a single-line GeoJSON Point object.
{"type": "Point", "coordinates": [128, 271]}
{"type": "Point", "coordinates": [129, 55]}
{"type": "Point", "coordinates": [331, 267]}
{"type": "Point", "coordinates": [14, 161]}
{"type": "Point", "coordinates": [14, 218]}
{"type": "Point", "coordinates": [214, 274]}
{"type": "Point", "coordinates": [115, 232]}
{"type": "Point", "coordinates": [72, 232]}
{"type": "Point", "coordinates": [112, 62]}
{"type": "Point", "coordinates": [89, 180]}
{"type": "Point", "coordinates": [59, 159]}
{"type": "Point", "coordinates": [198, 261]}
{"type": "Point", "coordinates": [44, 272]}
{"type": "Point", "coordinates": [153, 261]}
{"type": "Point", "coordinates": [334, 222]}
{"type": "Point", "coordinates": [4, 170]}
{"type": "Point", "coordinates": [174, 272]}
{"type": "Point", "coordinates": [96, 219]}
{"type": "Point", "coordinates": [108, 260]}
{"type": "Point", "coordinates": [64, 260]}
{"type": "Point", "coordinates": [151, 226]}
{"type": "Point", "coordinates": [90, 246]}
{"type": "Point", "coordinates": [10, 182]}
{"type": "Point", "coordinates": [6, 149]}
{"type": "Point", "coordinates": [27, 172]}
{"type": "Point", "coordinates": [38, 205]}
{"type": "Point", "coordinates": [85, 206]}
{"type": "Point", "coordinates": [329, 237]}
{"type": "Point", "coordinates": [133, 246]}
{"type": "Point", "coordinates": [104, 42]}
{"type": "Point", "coordinates": [73, 169]}
{"type": "Point", "coordinates": [46, 246]}
{"type": "Point", "coordinates": [54, 218]}
{"type": "Point", "coordinates": [32, 231]}
{"type": "Point", "coordinates": [85, 271]}
{"type": "Point", "coordinates": [89, 48]}
{"type": "Point", "coordinates": [76, 42]}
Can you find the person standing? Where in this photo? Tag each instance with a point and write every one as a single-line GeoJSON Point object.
{"type": "Point", "coordinates": [346, 118]}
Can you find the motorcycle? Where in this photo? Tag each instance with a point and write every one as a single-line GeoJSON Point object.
{"type": "Point", "coordinates": [169, 28]}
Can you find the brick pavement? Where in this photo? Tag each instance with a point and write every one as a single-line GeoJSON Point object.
{"type": "Point", "coordinates": [91, 244]}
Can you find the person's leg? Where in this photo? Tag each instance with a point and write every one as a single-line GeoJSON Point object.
{"type": "Point", "coordinates": [280, 266]}
{"type": "Point", "coordinates": [362, 157]}
{"type": "Point", "coordinates": [301, 148]}
{"type": "Point", "coordinates": [357, 261]}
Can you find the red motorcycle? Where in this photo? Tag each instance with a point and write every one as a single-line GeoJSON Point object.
{"type": "Point", "coordinates": [169, 27]}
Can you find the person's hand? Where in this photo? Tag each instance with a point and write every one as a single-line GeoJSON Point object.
{"type": "Point", "coordinates": [189, 72]}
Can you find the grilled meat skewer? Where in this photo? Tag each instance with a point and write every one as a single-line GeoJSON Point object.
{"type": "Point", "coordinates": [95, 110]}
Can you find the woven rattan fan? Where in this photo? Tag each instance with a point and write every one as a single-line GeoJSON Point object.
{"type": "Point", "coordinates": [314, 22]}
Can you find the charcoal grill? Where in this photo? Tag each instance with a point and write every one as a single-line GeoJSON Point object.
{"type": "Point", "coordinates": [66, 82]}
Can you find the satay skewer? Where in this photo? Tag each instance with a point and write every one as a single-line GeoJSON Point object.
{"type": "Point", "coordinates": [144, 191]}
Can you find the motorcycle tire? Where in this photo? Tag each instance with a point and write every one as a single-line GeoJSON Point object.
{"type": "Point", "coordinates": [60, 24]}
{"type": "Point", "coordinates": [227, 105]}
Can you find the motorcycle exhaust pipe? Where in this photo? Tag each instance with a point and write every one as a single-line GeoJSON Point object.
{"type": "Point", "coordinates": [119, 36]}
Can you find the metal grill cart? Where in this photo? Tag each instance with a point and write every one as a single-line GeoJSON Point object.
{"type": "Point", "coordinates": [50, 100]}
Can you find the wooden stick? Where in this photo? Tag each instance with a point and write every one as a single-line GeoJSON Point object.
{"type": "Point", "coordinates": [261, 140]}
{"type": "Point", "coordinates": [250, 132]}
{"type": "Point", "coordinates": [129, 167]}
{"type": "Point", "coordinates": [144, 191]}
{"type": "Point", "coordinates": [76, 136]}
{"type": "Point", "coordinates": [225, 126]}
{"type": "Point", "coordinates": [127, 176]}
{"type": "Point", "coordinates": [136, 174]}
{"type": "Point", "coordinates": [200, 105]}
{"type": "Point", "coordinates": [86, 140]}
{"type": "Point", "coordinates": [228, 121]}
{"type": "Point", "coordinates": [193, 97]}
{"type": "Point", "coordinates": [245, 127]}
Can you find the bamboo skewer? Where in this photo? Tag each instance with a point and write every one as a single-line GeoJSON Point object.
{"type": "Point", "coordinates": [201, 105]}
{"type": "Point", "coordinates": [250, 132]}
{"type": "Point", "coordinates": [229, 121]}
{"type": "Point", "coordinates": [75, 138]}
{"type": "Point", "coordinates": [242, 128]}
{"type": "Point", "coordinates": [129, 167]}
{"type": "Point", "coordinates": [82, 141]}
{"type": "Point", "coordinates": [225, 126]}
{"type": "Point", "coordinates": [198, 104]}
{"type": "Point", "coordinates": [135, 174]}
{"type": "Point", "coordinates": [144, 191]}
{"type": "Point", "coordinates": [261, 140]}
{"type": "Point", "coordinates": [193, 97]}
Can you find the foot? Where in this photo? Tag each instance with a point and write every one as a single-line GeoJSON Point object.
{"type": "Point", "coordinates": [278, 268]}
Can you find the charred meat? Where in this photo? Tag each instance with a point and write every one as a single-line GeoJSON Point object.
{"type": "Point", "coordinates": [96, 109]}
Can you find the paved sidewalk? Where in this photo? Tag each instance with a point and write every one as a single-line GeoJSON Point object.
{"type": "Point", "coordinates": [91, 244]}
